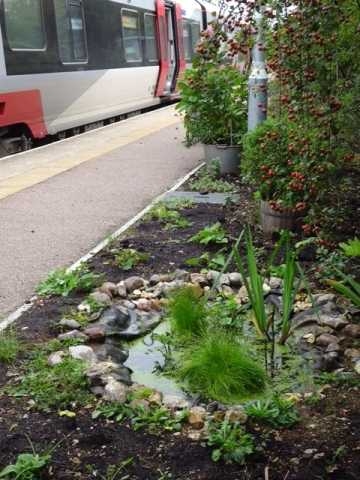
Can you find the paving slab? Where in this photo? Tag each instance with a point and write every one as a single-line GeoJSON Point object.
{"type": "Point", "coordinates": [198, 197]}
{"type": "Point", "coordinates": [53, 220]}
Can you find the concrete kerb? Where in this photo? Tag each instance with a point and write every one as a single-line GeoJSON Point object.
{"type": "Point", "coordinates": [10, 319]}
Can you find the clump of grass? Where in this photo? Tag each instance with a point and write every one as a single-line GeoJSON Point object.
{"type": "Point", "coordinates": [58, 386]}
{"type": "Point", "coordinates": [219, 368]}
{"type": "Point", "coordinates": [63, 282]}
{"type": "Point", "coordinates": [128, 258]}
{"type": "Point", "coordinates": [9, 346]}
{"type": "Point", "coordinates": [187, 313]}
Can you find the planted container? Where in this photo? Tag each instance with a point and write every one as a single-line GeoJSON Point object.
{"type": "Point", "coordinates": [274, 220]}
{"type": "Point", "coordinates": [228, 157]}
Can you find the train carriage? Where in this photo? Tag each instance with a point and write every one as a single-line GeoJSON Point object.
{"type": "Point", "coordinates": [69, 63]}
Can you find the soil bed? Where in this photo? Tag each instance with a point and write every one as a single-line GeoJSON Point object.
{"type": "Point", "coordinates": [324, 445]}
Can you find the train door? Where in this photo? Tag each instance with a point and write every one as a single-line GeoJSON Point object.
{"type": "Point", "coordinates": [171, 49]}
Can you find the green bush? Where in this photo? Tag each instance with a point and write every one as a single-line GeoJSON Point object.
{"type": "Point", "coordinates": [231, 442]}
{"type": "Point", "coordinates": [63, 282]}
{"type": "Point", "coordinates": [219, 368]}
{"type": "Point", "coordinates": [277, 411]}
{"type": "Point", "coordinates": [187, 313]}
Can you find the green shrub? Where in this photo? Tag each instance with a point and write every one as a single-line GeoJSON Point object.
{"type": "Point", "coordinates": [219, 368]}
{"type": "Point", "coordinates": [277, 411]}
{"type": "Point", "coordinates": [27, 467]}
{"type": "Point", "coordinates": [214, 234]}
{"type": "Point", "coordinates": [231, 442]}
{"type": "Point", "coordinates": [187, 313]}
{"type": "Point", "coordinates": [63, 282]}
{"type": "Point", "coordinates": [9, 346]}
{"type": "Point", "coordinates": [56, 386]}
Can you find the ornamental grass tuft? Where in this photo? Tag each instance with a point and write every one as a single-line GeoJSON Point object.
{"type": "Point", "coordinates": [219, 368]}
{"type": "Point", "coordinates": [187, 313]}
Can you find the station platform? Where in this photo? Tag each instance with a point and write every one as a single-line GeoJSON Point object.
{"type": "Point", "coordinates": [59, 201]}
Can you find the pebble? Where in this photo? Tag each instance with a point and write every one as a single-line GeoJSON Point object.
{"type": "Point", "coordinates": [72, 334]}
{"type": "Point", "coordinates": [95, 333]}
{"type": "Point", "coordinates": [326, 339]}
{"type": "Point", "coordinates": [100, 297]}
{"type": "Point", "coordinates": [121, 290]}
{"type": "Point", "coordinates": [196, 418]}
{"type": "Point", "coordinates": [109, 288]}
{"type": "Point", "coordinates": [134, 283]}
{"type": "Point", "coordinates": [56, 358]}
{"type": "Point", "coordinates": [352, 330]}
{"type": "Point", "coordinates": [236, 414]}
{"type": "Point", "coordinates": [336, 323]}
{"type": "Point", "coordinates": [115, 391]}
{"type": "Point", "coordinates": [235, 279]}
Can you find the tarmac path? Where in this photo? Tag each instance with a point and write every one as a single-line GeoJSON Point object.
{"type": "Point", "coordinates": [58, 202]}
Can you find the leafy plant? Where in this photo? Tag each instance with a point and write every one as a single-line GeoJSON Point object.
{"type": "Point", "coordinates": [157, 419]}
{"type": "Point", "coordinates": [169, 216]}
{"type": "Point", "coordinates": [27, 467]}
{"type": "Point", "coordinates": [206, 182]}
{"type": "Point", "coordinates": [213, 100]}
{"type": "Point", "coordinates": [348, 287]}
{"type": "Point", "coordinates": [351, 248]}
{"type": "Point", "coordinates": [57, 386]}
{"type": "Point", "coordinates": [231, 442]}
{"type": "Point", "coordinates": [128, 258]}
{"type": "Point", "coordinates": [63, 282]}
{"type": "Point", "coordinates": [9, 346]}
{"type": "Point", "coordinates": [220, 368]}
{"type": "Point", "coordinates": [277, 411]}
{"type": "Point", "coordinates": [187, 313]}
{"type": "Point", "coordinates": [113, 472]}
{"type": "Point", "coordinates": [216, 261]}
{"type": "Point", "coordinates": [214, 234]}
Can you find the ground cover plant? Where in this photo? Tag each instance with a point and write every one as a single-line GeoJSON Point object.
{"type": "Point", "coordinates": [9, 346]}
{"type": "Point", "coordinates": [127, 258]}
{"type": "Point", "coordinates": [63, 282]}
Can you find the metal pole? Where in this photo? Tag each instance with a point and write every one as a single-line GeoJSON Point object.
{"type": "Point", "coordinates": [258, 80]}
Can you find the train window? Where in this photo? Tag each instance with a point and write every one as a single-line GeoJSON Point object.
{"type": "Point", "coordinates": [70, 25]}
{"type": "Point", "coordinates": [131, 36]}
{"type": "Point", "coordinates": [24, 24]}
{"type": "Point", "coordinates": [150, 37]}
{"type": "Point", "coordinates": [187, 40]}
{"type": "Point", "coordinates": [195, 35]}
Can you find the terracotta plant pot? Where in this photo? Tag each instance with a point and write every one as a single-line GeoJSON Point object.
{"type": "Point", "coordinates": [228, 157]}
{"type": "Point", "coordinates": [272, 221]}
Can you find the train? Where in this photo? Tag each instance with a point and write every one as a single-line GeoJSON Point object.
{"type": "Point", "coordinates": [70, 64]}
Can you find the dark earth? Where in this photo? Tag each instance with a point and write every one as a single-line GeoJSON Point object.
{"type": "Point", "coordinates": [324, 445]}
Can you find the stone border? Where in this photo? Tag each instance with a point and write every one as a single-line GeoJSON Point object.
{"type": "Point", "coordinates": [27, 305]}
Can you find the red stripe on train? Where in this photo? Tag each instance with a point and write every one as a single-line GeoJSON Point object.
{"type": "Point", "coordinates": [23, 107]}
{"type": "Point", "coordinates": [162, 46]}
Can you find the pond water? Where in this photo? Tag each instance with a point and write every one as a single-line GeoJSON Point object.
{"type": "Point", "coordinates": [144, 356]}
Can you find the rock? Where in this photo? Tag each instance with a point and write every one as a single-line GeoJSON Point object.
{"type": "Point", "coordinates": [236, 414]}
{"type": "Point", "coordinates": [112, 350]}
{"type": "Point", "coordinates": [83, 352]}
{"type": "Point", "coordinates": [143, 304]}
{"type": "Point", "coordinates": [101, 298]}
{"type": "Point", "coordinates": [182, 275]}
{"type": "Point", "coordinates": [115, 391]}
{"type": "Point", "coordinates": [336, 323]}
{"type": "Point", "coordinates": [121, 290]}
{"type": "Point", "coordinates": [198, 278]}
{"type": "Point", "coordinates": [357, 367]}
{"type": "Point", "coordinates": [352, 330]}
{"type": "Point", "coordinates": [213, 276]}
{"type": "Point", "coordinates": [326, 339]}
{"type": "Point", "coordinates": [155, 398]}
{"type": "Point", "coordinates": [166, 277]}
{"type": "Point", "coordinates": [128, 304]}
{"type": "Point", "coordinates": [56, 358]}
{"type": "Point", "coordinates": [266, 288]}
{"type": "Point", "coordinates": [155, 304]}
{"type": "Point", "coordinates": [307, 317]}
{"type": "Point", "coordinates": [140, 403]}
{"type": "Point", "coordinates": [100, 373]}
{"type": "Point", "coordinates": [196, 418]}
{"type": "Point", "coordinates": [154, 279]}
{"type": "Point", "coordinates": [140, 324]}
{"type": "Point", "coordinates": [95, 333]}
{"type": "Point", "coordinates": [333, 347]}
{"type": "Point", "coordinates": [73, 334]}
{"type": "Point", "coordinates": [309, 452]}
{"type": "Point", "coordinates": [122, 374]}
{"type": "Point", "coordinates": [235, 279]}
{"type": "Point", "coordinates": [109, 288]}
{"type": "Point", "coordinates": [219, 416]}
{"type": "Point", "coordinates": [322, 298]}
{"type": "Point", "coordinates": [309, 338]}
{"type": "Point", "coordinates": [227, 291]}
{"type": "Point", "coordinates": [242, 295]}
{"type": "Point", "coordinates": [84, 307]}
{"type": "Point", "coordinates": [195, 435]}
{"type": "Point", "coordinates": [115, 319]}
{"type": "Point", "coordinates": [98, 391]}
{"type": "Point", "coordinates": [330, 361]}
{"type": "Point", "coordinates": [174, 402]}
{"type": "Point", "coordinates": [134, 283]}
{"type": "Point", "coordinates": [275, 283]}
{"type": "Point", "coordinates": [352, 353]}
{"type": "Point", "coordinates": [69, 323]}
{"type": "Point", "coordinates": [136, 294]}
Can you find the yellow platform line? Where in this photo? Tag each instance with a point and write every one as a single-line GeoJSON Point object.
{"type": "Point", "coordinates": [41, 173]}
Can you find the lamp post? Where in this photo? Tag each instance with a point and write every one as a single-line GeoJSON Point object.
{"type": "Point", "coordinates": [258, 80]}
